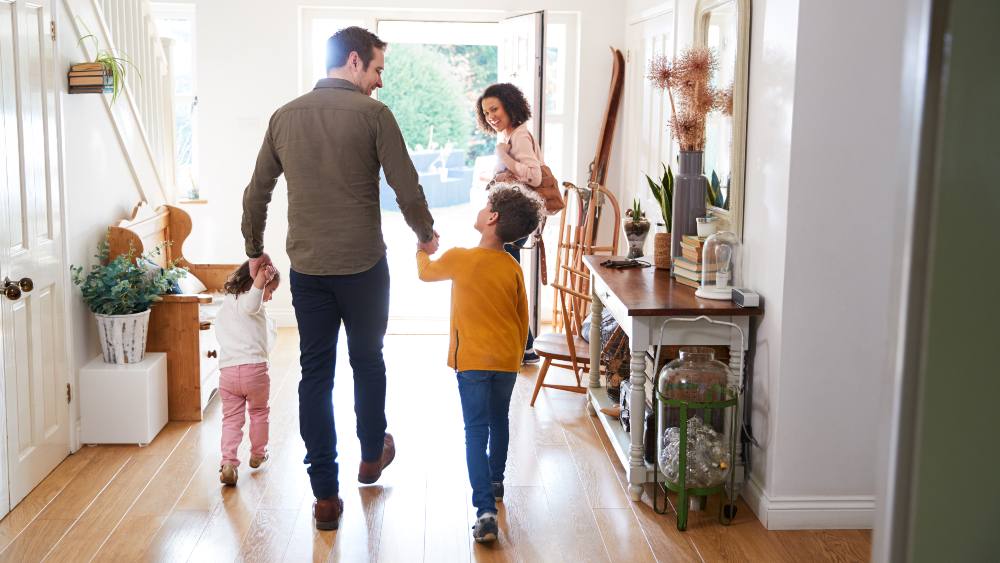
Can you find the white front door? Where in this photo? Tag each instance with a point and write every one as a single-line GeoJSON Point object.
{"type": "Point", "coordinates": [521, 62]}
{"type": "Point", "coordinates": [34, 370]}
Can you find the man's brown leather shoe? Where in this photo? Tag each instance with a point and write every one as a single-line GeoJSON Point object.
{"type": "Point", "coordinates": [327, 513]}
{"type": "Point", "coordinates": [370, 471]}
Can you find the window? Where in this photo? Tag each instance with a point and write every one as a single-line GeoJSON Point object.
{"type": "Point", "coordinates": [176, 23]}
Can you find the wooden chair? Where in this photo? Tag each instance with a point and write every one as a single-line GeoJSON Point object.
{"type": "Point", "coordinates": [566, 348]}
{"type": "Point", "coordinates": [176, 325]}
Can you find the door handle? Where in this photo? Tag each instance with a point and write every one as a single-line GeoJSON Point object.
{"type": "Point", "coordinates": [13, 289]}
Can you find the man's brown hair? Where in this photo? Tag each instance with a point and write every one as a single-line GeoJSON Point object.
{"type": "Point", "coordinates": [351, 39]}
{"type": "Point", "coordinates": [518, 208]}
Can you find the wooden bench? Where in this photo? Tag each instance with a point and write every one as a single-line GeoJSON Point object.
{"type": "Point", "coordinates": [176, 325]}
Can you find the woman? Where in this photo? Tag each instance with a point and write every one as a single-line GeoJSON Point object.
{"type": "Point", "coordinates": [503, 111]}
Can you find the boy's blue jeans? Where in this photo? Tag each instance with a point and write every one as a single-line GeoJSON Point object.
{"type": "Point", "coordinates": [485, 407]}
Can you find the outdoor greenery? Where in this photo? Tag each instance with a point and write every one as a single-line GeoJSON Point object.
{"type": "Point", "coordinates": [431, 90]}
{"type": "Point", "coordinates": [123, 286]}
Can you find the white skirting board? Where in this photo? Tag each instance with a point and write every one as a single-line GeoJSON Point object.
{"type": "Point", "coordinates": [284, 317]}
{"type": "Point", "coordinates": [810, 513]}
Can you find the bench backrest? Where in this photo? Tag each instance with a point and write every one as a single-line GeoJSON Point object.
{"type": "Point", "coordinates": [148, 228]}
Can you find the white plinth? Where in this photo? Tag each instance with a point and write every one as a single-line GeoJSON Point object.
{"type": "Point", "coordinates": [123, 403]}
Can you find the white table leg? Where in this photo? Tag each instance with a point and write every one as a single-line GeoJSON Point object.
{"type": "Point", "coordinates": [637, 413]}
{"type": "Point", "coordinates": [596, 312]}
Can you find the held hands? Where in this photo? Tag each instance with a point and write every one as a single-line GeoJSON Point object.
{"type": "Point", "coordinates": [256, 263]}
{"type": "Point", "coordinates": [265, 279]}
{"type": "Point", "coordinates": [431, 246]}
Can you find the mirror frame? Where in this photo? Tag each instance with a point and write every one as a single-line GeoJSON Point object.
{"type": "Point", "coordinates": [732, 218]}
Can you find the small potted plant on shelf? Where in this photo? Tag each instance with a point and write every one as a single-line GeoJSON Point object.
{"type": "Point", "coordinates": [663, 191]}
{"type": "Point", "coordinates": [636, 228]}
{"type": "Point", "coordinates": [104, 75]}
{"type": "Point", "coordinates": [120, 293]}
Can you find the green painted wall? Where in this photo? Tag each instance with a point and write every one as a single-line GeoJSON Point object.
{"type": "Point", "coordinates": [956, 508]}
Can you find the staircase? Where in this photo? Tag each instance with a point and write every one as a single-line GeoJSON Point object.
{"type": "Point", "coordinates": [143, 115]}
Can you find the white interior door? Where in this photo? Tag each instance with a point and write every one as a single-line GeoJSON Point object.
{"type": "Point", "coordinates": [647, 138]}
{"type": "Point", "coordinates": [521, 62]}
{"type": "Point", "coordinates": [34, 370]}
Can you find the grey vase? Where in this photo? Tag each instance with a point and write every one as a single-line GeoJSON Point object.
{"type": "Point", "coordinates": [689, 198]}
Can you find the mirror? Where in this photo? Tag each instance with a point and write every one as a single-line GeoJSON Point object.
{"type": "Point", "coordinates": [724, 27]}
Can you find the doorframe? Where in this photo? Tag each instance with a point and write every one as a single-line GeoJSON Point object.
{"type": "Point", "coordinates": [922, 74]}
{"type": "Point", "coordinates": [69, 357]}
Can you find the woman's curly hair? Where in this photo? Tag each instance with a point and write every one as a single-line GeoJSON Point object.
{"type": "Point", "coordinates": [513, 102]}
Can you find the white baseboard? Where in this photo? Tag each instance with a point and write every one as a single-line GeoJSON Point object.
{"type": "Point", "coordinates": [810, 513]}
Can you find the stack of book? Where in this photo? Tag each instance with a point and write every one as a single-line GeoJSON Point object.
{"type": "Point", "coordinates": [90, 78]}
{"type": "Point", "coordinates": [687, 267]}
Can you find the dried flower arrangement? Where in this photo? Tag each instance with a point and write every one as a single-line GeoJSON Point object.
{"type": "Point", "coordinates": [689, 77]}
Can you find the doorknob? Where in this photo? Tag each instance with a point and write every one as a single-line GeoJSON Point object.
{"type": "Point", "coordinates": [13, 289]}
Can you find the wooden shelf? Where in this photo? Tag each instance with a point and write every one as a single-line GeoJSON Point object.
{"type": "Point", "coordinates": [619, 439]}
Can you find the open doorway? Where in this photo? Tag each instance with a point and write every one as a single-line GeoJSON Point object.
{"type": "Point", "coordinates": [434, 73]}
{"type": "Point", "coordinates": [465, 52]}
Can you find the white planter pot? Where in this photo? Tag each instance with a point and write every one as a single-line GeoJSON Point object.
{"type": "Point", "coordinates": [123, 337]}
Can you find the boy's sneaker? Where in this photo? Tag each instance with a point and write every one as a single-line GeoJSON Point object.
{"type": "Point", "coordinates": [257, 461]}
{"type": "Point", "coordinates": [485, 530]}
{"type": "Point", "coordinates": [228, 474]}
{"type": "Point", "coordinates": [498, 491]}
{"type": "Point", "coordinates": [530, 357]}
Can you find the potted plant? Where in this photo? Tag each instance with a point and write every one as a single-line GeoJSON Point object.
{"type": "Point", "coordinates": [120, 292]}
{"type": "Point", "coordinates": [636, 228]}
{"type": "Point", "coordinates": [663, 191]}
{"type": "Point", "coordinates": [687, 79]}
{"type": "Point", "coordinates": [105, 74]}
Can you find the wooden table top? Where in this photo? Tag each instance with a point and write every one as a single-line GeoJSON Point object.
{"type": "Point", "coordinates": [649, 292]}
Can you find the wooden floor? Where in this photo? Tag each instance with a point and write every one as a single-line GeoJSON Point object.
{"type": "Point", "coordinates": [564, 502]}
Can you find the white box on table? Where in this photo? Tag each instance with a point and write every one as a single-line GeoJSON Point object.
{"type": "Point", "coordinates": [123, 403]}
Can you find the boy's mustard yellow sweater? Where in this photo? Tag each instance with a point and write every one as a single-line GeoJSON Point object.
{"type": "Point", "coordinates": [489, 307]}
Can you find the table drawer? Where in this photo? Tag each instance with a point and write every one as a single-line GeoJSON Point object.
{"type": "Point", "coordinates": [612, 303]}
{"type": "Point", "coordinates": [208, 352]}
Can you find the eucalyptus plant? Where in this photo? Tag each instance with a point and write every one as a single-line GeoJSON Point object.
{"type": "Point", "coordinates": [124, 286]}
{"type": "Point", "coordinates": [663, 191]}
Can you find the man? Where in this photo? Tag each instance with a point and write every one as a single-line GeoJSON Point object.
{"type": "Point", "coordinates": [330, 144]}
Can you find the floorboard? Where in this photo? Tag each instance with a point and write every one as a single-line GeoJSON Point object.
{"type": "Point", "coordinates": [565, 491]}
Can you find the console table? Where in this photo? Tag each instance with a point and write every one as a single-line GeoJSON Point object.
{"type": "Point", "coordinates": [641, 299]}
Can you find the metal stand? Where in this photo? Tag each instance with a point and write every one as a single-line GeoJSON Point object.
{"type": "Point", "coordinates": [724, 402]}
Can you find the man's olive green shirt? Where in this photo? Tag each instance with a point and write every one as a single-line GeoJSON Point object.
{"type": "Point", "coordinates": [330, 144]}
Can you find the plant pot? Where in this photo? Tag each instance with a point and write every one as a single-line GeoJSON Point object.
{"type": "Point", "coordinates": [635, 232]}
{"type": "Point", "coordinates": [123, 337]}
{"type": "Point", "coordinates": [689, 198]}
{"type": "Point", "coordinates": [661, 251]}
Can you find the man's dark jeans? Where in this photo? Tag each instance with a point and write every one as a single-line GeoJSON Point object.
{"type": "Point", "coordinates": [361, 301]}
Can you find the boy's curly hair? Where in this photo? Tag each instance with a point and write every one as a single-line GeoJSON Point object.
{"type": "Point", "coordinates": [519, 210]}
{"type": "Point", "coordinates": [513, 102]}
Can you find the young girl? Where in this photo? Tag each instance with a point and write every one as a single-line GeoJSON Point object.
{"type": "Point", "coordinates": [503, 111]}
{"type": "Point", "coordinates": [246, 336]}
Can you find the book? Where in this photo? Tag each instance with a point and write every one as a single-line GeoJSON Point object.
{"type": "Point", "coordinates": [692, 254]}
{"type": "Point", "coordinates": [693, 240]}
{"type": "Point", "coordinates": [690, 274]}
{"type": "Point", "coordinates": [90, 81]}
{"type": "Point", "coordinates": [90, 90]}
{"type": "Point", "coordinates": [88, 73]}
{"type": "Point", "coordinates": [687, 282]}
{"type": "Point", "coordinates": [693, 265]}
{"type": "Point", "coordinates": [86, 67]}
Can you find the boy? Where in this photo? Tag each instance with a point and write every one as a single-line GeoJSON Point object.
{"type": "Point", "coordinates": [489, 326]}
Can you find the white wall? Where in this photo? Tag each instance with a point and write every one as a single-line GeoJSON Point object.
{"type": "Point", "coordinates": [848, 155]}
{"type": "Point", "coordinates": [99, 185]}
{"type": "Point", "coordinates": [247, 67]}
{"type": "Point", "coordinates": [823, 148]}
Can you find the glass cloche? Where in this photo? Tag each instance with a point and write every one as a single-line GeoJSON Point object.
{"type": "Point", "coordinates": [719, 266]}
